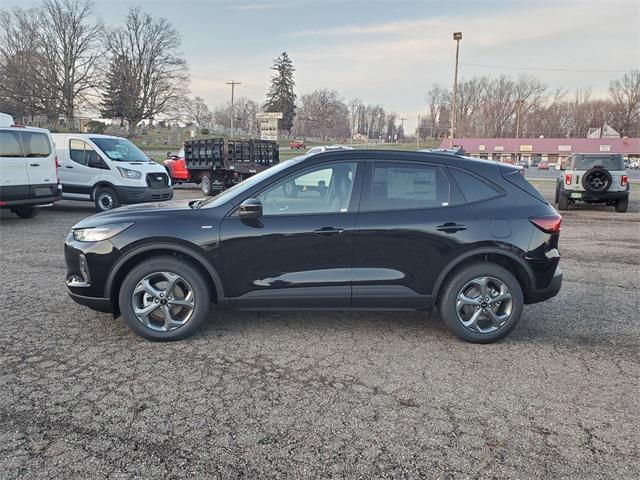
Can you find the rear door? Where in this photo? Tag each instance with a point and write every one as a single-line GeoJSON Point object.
{"type": "Point", "coordinates": [408, 228]}
{"type": "Point", "coordinates": [41, 161]}
{"type": "Point", "coordinates": [14, 179]}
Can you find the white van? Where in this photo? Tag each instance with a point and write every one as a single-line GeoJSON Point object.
{"type": "Point", "coordinates": [108, 171]}
{"type": "Point", "coordinates": [28, 168]}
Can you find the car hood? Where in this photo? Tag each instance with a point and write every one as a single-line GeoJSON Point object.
{"type": "Point", "coordinates": [131, 213]}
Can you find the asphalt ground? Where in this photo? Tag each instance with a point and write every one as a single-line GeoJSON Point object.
{"type": "Point", "coordinates": [323, 395]}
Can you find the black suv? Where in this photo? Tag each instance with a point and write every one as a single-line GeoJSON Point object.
{"type": "Point", "coordinates": [346, 229]}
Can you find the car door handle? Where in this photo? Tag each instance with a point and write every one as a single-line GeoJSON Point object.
{"type": "Point", "coordinates": [451, 227]}
{"type": "Point", "coordinates": [328, 231]}
{"type": "Point", "coordinates": [68, 166]}
{"type": "Point", "coordinates": [34, 164]}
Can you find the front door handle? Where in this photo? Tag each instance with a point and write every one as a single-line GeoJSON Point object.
{"type": "Point", "coordinates": [34, 164]}
{"type": "Point", "coordinates": [68, 166]}
{"type": "Point", "coordinates": [451, 227]}
{"type": "Point", "coordinates": [328, 231]}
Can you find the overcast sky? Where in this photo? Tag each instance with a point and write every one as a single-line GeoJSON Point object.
{"type": "Point", "coordinates": [390, 52]}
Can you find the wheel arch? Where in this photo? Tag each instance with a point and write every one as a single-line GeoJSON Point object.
{"type": "Point", "coordinates": [505, 258]}
{"type": "Point", "coordinates": [143, 252]}
{"type": "Point", "coordinates": [101, 183]}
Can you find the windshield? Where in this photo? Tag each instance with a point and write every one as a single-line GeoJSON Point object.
{"type": "Point", "coordinates": [610, 162]}
{"type": "Point", "coordinates": [120, 149]}
{"type": "Point", "coordinates": [245, 185]}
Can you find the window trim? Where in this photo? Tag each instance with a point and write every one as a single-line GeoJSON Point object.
{"type": "Point", "coordinates": [354, 202]}
{"type": "Point", "coordinates": [368, 185]}
{"type": "Point", "coordinates": [500, 192]}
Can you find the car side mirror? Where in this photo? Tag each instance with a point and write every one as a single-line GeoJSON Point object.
{"type": "Point", "coordinates": [250, 208]}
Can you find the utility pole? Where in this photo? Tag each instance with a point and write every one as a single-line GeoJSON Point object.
{"type": "Point", "coordinates": [402, 119]}
{"type": "Point", "coordinates": [518, 108]}
{"type": "Point", "coordinates": [457, 36]}
{"type": "Point", "coordinates": [418, 135]}
{"type": "Point", "coordinates": [233, 84]}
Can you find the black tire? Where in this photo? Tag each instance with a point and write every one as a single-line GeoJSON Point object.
{"type": "Point", "coordinates": [26, 212]}
{"type": "Point", "coordinates": [290, 189]}
{"type": "Point", "coordinates": [447, 304]}
{"type": "Point", "coordinates": [105, 199]}
{"type": "Point", "coordinates": [557, 191]}
{"type": "Point", "coordinates": [206, 185]}
{"type": "Point", "coordinates": [622, 205]}
{"type": "Point", "coordinates": [596, 180]}
{"type": "Point", "coordinates": [184, 269]}
{"type": "Point", "coordinates": [563, 201]}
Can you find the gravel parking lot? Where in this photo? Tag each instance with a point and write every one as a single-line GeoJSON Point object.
{"type": "Point", "coordinates": [316, 395]}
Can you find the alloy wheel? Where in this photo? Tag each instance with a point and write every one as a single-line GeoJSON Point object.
{"type": "Point", "coordinates": [163, 301]}
{"type": "Point", "coordinates": [484, 304]}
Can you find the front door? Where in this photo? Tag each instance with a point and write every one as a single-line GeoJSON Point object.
{"type": "Point", "coordinates": [298, 254]}
{"type": "Point", "coordinates": [79, 170]}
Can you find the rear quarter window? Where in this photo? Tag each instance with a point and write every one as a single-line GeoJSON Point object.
{"type": "Point", "coordinates": [519, 181]}
{"type": "Point", "coordinates": [473, 188]}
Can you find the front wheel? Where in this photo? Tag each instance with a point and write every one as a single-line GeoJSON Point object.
{"type": "Point", "coordinates": [105, 199]}
{"type": "Point", "coordinates": [26, 212]}
{"type": "Point", "coordinates": [164, 299]}
{"type": "Point", "coordinates": [481, 303]}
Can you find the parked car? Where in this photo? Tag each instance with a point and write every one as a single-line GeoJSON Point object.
{"type": "Point", "coordinates": [393, 230]}
{"type": "Point", "coordinates": [28, 168]}
{"type": "Point", "coordinates": [523, 163]}
{"type": "Point", "coordinates": [596, 178]}
{"type": "Point", "coordinates": [543, 165]}
{"type": "Point", "coordinates": [298, 144]}
{"type": "Point", "coordinates": [108, 171]}
{"type": "Point", "coordinates": [327, 148]}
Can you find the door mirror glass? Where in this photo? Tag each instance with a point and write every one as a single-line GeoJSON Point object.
{"type": "Point", "coordinates": [250, 208]}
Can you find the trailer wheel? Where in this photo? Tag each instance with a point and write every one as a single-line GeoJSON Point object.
{"type": "Point", "coordinates": [205, 185]}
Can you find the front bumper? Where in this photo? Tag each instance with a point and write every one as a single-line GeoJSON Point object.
{"type": "Point", "coordinates": [542, 294]}
{"type": "Point", "coordinates": [143, 194]}
{"type": "Point", "coordinates": [94, 303]}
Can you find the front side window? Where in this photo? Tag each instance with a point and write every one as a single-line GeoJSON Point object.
{"type": "Point", "coordinates": [78, 151]}
{"type": "Point", "coordinates": [406, 186]}
{"type": "Point", "coordinates": [36, 144]}
{"type": "Point", "coordinates": [10, 144]}
{"type": "Point", "coordinates": [322, 189]}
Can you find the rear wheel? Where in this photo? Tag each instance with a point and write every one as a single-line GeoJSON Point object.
{"type": "Point", "coordinates": [622, 205]}
{"type": "Point", "coordinates": [164, 299]}
{"type": "Point", "coordinates": [206, 185]}
{"type": "Point", "coordinates": [26, 212]}
{"type": "Point", "coordinates": [105, 199]}
{"type": "Point", "coordinates": [563, 201]}
{"type": "Point", "coordinates": [481, 303]}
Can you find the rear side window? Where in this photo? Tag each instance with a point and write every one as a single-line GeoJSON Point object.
{"type": "Point", "coordinates": [519, 181]}
{"type": "Point", "coordinates": [406, 186]}
{"type": "Point", "coordinates": [36, 144]}
{"type": "Point", "coordinates": [10, 144]}
{"type": "Point", "coordinates": [473, 188]}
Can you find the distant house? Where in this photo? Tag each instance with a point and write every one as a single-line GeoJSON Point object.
{"type": "Point", "coordinates": [553, 150]}
{"type": "Point", "coordinates": [605, 131]}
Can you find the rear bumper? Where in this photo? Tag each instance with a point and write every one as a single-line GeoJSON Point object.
{"type": "Point", "coordinates": [542, 294]}
{"type": "Point", "coordinates": [143, 194]}
{"type": "Point", "coordinates": [27, 195]}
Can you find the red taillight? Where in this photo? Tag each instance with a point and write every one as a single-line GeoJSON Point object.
{"type": "Point", "coordinates": [2, 204]}
{"type": "Point", "coordinates": [568, 178]}
{"type": "Point", "coordinates": [623, 180]}
{"type": "Point", "coordinates": [57, 167]}
{"type": "Point", "coordinates": [548, 223]}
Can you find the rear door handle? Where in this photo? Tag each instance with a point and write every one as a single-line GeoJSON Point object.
{"type": "Point", "coordinates": [68, 166]}
{"type": "Point", "coordinates": [34, 164]}
{"type": "Point", "coordinates": [328, 231]}
{"type": "Point", "coordinates": [451, 227]}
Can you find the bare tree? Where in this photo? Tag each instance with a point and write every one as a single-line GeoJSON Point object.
{"type": "Point", "coordinates": [71, 45]}
{"type": "Point", "coordinates": [437, 98]}
{"type": "Point", "coordinates": [625, 94]}
{"type": "Point", "coordinates": [157, 75]}
{"type": "Point", "coordinates": [322, 114]}
{"type": "Point", "coordinates": [197, 112]}
{"type": "Point", "coordinates": [245, 111]}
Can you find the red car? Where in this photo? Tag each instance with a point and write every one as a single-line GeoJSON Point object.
{"type": "Point", "coordinates": [543, 165]}
{"type": "Point", "coordinates": [298, 144]}
{"type": "Point", "coordinates": [177, 167]}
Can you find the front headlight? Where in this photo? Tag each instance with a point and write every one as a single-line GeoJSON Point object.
{"type": "Point", "coordinates": [97, 234]}
{"type": "Point", "coordinates": [130, 174]}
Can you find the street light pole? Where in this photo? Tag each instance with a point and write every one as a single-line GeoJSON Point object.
{"type": "Point", "coordinates": [457, 36]}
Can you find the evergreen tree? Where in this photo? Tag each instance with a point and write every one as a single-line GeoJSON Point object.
{"type": "Point", "coordinates": [281, 97]}
{"type": "Point", "coordinates": [114, 96]}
